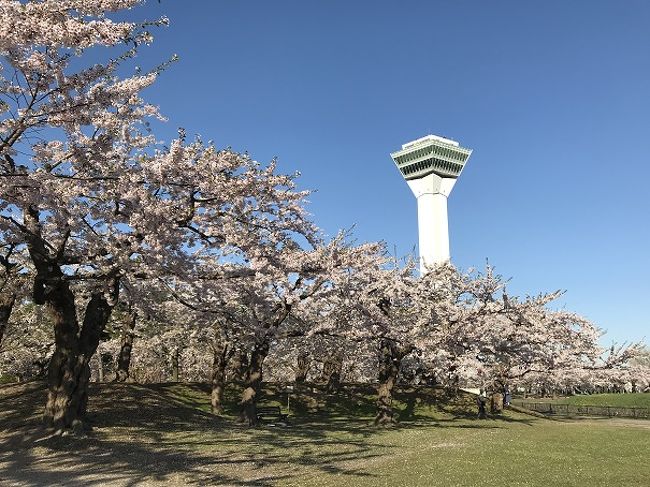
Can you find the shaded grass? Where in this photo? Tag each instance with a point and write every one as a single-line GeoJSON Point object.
{"type": "Point", "coordinates": [163, 434]}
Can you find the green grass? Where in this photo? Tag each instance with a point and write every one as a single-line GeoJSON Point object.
{"type": "Point", "coordinates": [163, 434]}
{"type": "Point", "coordinates": [639, 400]}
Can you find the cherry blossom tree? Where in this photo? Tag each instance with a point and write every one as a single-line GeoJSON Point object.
{"type": "Point", "coordinates": [66, 136]}
{"type": "Point", "coordinates": [91, 201]}
{"type": "Point", "coordinates": [14, 278]}
{"type": "Point", "coordinates": [495, 341]}
{"type": "Point", "coordinates": [281, 299]}
{"type": "Point", "coordinates": [28, 345]}
{"type": "Point", "coordinates": [254, 304]}
{"type": "Point", "coordinates": [128, 320]}
{"type": "Point", "coordinates": [375, 304]}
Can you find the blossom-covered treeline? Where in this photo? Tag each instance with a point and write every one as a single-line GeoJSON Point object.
{"type": "Point", "coordinates": [128, 258]}
{"type": "Point", "coordinates": [93, 201]}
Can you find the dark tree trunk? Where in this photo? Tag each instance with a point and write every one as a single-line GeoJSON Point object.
{"type": "Point", "coordinates": [391, 355]}
{"type": "Point", "coordinates": [303, 364]}
{"type": "Point", "coordinates": [175, 367]}
{"type": "Point", "coordinates": [222, 353]}
{"type": "Point", "coordinates": [218, 383]}
{"type": "Point", "coordinates": [253, 384]}
{"type": "Point", "coordinates": [6, 306]}
{"type": "Point", "coordinates": [253, 380]}
{"type": "Point", "coordinates": [124, 358]}
{"type": "Point", "coordinates": [240, 366]}
{"type": "Point", "coordinates": [69, 370]}
{"type": "Point", "coordinates": [332, 372]}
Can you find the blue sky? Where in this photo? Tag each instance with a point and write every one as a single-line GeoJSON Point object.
{"type": "Point", "coordinates": [553, 96]}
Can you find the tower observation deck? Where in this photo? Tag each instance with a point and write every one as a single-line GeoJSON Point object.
{"type": "Point", "coordinates": [430, 165]}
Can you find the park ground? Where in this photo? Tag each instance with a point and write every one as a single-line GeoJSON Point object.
{"type": "Point", "coordinates": [164, 435]}
{"type": "Point", "coordinates": [634, 400]}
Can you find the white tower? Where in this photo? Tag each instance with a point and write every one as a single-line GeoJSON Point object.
{"type": "Point", "coordinates": [431, 166]}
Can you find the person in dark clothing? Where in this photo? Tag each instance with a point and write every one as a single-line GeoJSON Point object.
{"type": "Point", "coordinates": [480, 402]}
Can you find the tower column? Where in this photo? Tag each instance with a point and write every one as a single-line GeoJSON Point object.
{"type": "Point", "coordinates": [431, 192]}
{"type": "Point", "coordinates": [433, 230]}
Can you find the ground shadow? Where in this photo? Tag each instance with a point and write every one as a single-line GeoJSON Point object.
{"type": "Point", "coordinates": [164, 433]}
{"type": "Point", "coordinates": [148, 433]}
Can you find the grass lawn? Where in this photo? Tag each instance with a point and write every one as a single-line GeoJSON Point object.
{"type": "Point", "coordinates": [638, 400]}
{"type": "Point", "coordinates": [163, 435]}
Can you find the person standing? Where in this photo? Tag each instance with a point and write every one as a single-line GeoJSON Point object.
{"type": "Point", "coordinates": [480, 402]}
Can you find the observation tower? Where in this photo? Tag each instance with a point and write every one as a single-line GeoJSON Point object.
{"type": "Point", "coordinates": [430, 165]}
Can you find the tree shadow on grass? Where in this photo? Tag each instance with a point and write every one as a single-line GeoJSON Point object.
{"type": "Point", "coordinates": [148, 434]}
{"type": "Point", "coordinates": [164, 434]}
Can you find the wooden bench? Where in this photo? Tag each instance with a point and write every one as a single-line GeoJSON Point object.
{"type": "Point", "coordinates": [273, 412]}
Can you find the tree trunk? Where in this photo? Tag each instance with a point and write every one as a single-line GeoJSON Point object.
{"type": "Point", "coordinates": [332, 372]}
{"type": "Point", "coordinates": [69, 370]}
{"type": "Point", "coordinates": [175, 356]}
{"type": "Point", "coordinates": [303, 364]}
{"type": "Point", "coordinates": [124, 358]}
{"type": "Point", "coordinates": [240, 366]}
{"type": "Point", "coordinates": [6, 306]}
{"type": "Point", "coordinates": [100, 367]}
{"type": "Point", "coordinates": [391, 356]}
{"type": "Point", "coordinates": [253, 384]}
{"type": "Point", "coordinates": [221, 356]}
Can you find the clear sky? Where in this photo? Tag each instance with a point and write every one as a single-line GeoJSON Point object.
{"type": "Point", "coordinates": [553, 96]}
